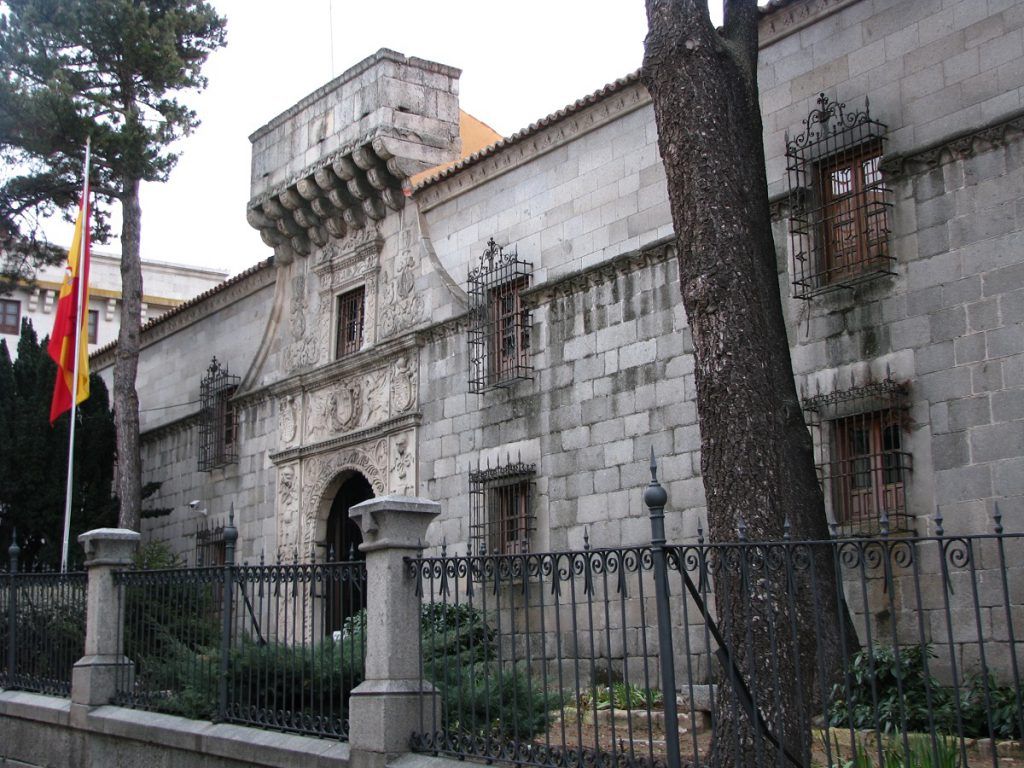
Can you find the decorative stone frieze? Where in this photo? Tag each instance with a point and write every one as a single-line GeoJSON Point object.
{"type": "Point", "coordinates": [960, 146]}
{"type": "Point", "coordinates": [777, 24]}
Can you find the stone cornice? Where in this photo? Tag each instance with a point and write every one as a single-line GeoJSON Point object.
{"type": "Point", "coordinates": [577, 282]}
{"type": "Point", "coordinates": [365, 360]}
{"type": "Point", "coordinates": [957, 146]}
{"type": "Point", "coordinates": [443, 329]}
{"type": "Point", "coordinates": [523, 151]}
{"type": "Point", "coordinates": [781, 22]}
{"type": "Point", "coordinates": [397, 424]}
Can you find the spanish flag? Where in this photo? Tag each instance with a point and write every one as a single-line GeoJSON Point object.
{"type": "Point", "coordinates": [62, 340]}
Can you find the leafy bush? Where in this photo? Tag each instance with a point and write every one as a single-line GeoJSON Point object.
{"type": "Point", "coordinates": [874, 679]}
{"type": "Point", "coordinates": [1004, 712]}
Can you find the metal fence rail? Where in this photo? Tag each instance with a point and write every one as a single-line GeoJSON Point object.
{"type": "Point", "coordinates": [248, 644]}
{"type": "Point", "coordinates": [42, 630]}
{"type": "Point", "coordinates": [567, 659]}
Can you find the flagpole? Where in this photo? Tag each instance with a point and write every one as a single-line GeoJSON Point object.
{"type": "Point", "coordinates": [79, 296]}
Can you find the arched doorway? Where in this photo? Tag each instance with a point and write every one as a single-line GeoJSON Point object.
{"type": "Point", "coordinates": [345, 596]}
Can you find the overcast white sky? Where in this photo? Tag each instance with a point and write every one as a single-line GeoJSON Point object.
{"type": "Point", "coordinates": [520, 61]}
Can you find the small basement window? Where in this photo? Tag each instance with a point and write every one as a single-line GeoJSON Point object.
{"type": "Point", "coordinates": [501, 509]}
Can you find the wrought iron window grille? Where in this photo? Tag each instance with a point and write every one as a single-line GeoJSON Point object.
{"type": "Point", "coordinates": [840, 202]}
{"type": "Point", "coordinates": [351, 319]}
{"type": "Point", "coordinates": [218, 423]}
{"type": "Point", "coordinates": [211, 546]}
{"type": "Point", "coordinates": [861, 457]}
{"type": "Point", "coordinates": [500, 324]}
{"type": "Point", "coordinates": [501, 520]}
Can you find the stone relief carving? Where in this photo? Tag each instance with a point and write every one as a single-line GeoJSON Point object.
{"type": "Point", "coordinates": [288, 506]}
{"type": "Point", "coordinates": [403, 306]}
{"type": "Point", "coordinates": [304, 349]}
{"type": "Point", "coordinates": [361, 401]}
{"type": "Point", "coordinates": [288, 419]}
{"type": "Point", "coordinates": [376, 396]}
{"type": "Point", "coordinates": [370, 460]}
{"type": "Point", "coordinates": [403, 464]}
{"type": "Point", "coordinates": [403, 385]}
{"type": "Point", "coordinates": [346, 406]}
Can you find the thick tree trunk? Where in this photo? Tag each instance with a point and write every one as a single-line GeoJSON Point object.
{"type": "Point", "coordinates": [126, 399]}
{"type": "Point", "coordinates": [756, 452]}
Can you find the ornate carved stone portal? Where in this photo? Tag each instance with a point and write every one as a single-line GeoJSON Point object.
{"type": "Point", "coordinates": [357, 413]}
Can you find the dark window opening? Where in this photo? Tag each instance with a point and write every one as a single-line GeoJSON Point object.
{"type": "Point", "coordinates": [93, 326]}
{"type": "Point", "coordinates": [10, 316]}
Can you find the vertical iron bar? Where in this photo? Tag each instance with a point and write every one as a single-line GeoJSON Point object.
{"type": "Point", "coordinates": [230, 537]}
{"type": "Point", "coordinates": [12, 609]}
{"type": "Point", "coordinates": [655, 497]}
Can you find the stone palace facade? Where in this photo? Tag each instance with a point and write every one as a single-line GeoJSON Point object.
{"type": "Point", "coordinates": [500, 330]}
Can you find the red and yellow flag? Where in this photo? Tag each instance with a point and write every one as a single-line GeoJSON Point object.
{"type": "Point", "coordinates": [62, 340]}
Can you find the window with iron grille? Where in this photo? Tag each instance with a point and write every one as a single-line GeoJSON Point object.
{"type": "Point", "coordinates": [862, 461]}
{"type": "Point", "coordinates": [840, 203]}
{"type": "Point", "coordinates": [501, 512]}
{"type": "Point", "coordinates": [350, 322]}
{"type": "Point", "coordinates": [211, 547]}
{"type": "Point", "coordinates": [500, 323]}
{"type": "Point", "coordinates": [218, 422]}
{"type": "Point", "coordinates": [10, 316]}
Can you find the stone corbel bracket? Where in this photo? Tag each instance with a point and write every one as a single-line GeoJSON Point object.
{"type": "Point", "coordinates": [338, 197]}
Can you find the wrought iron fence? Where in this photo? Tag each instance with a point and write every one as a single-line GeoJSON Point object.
{"type": "Point", "coordinates": [42, 631]}
{"type": "Point", "coordinates": [247, 644]}
{"type": "Point", "coordinates": [891, 650]}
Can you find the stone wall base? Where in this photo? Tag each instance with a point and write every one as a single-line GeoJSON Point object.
{"type": "Point", "coordinates": [40, 730]}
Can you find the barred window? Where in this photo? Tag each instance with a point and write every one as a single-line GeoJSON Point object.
{"type": "Point", "coordinates": [211, 546]}
{"type": "Point", "coordinates": [350, 322]}
{"type": "Point", "coordinates": [839, 200]}
{"type": "Point", "coordinates": [10, 316]}
{"type": "Point", "coordinates": [218, 422]}
{"type": "Point", "coordinates": [861, 457]}
{"type": "Point", "coordinates": [501, 512]}
{"type": "Point", "coordinates": [500, 323]}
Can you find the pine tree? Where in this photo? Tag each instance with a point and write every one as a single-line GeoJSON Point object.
{"type": "Point", "coordinates": [109, 70]}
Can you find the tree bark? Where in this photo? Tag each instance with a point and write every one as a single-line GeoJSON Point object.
{"type": "Point", "coordinates": [756, 452]}
{"type": "Point", "coordinates": [126, 399]}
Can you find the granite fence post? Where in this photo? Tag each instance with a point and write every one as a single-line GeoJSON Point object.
{"type": "Point", "coordinates": [385, 709]}
{"type": "Point", "coordinates": [94, 678]}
